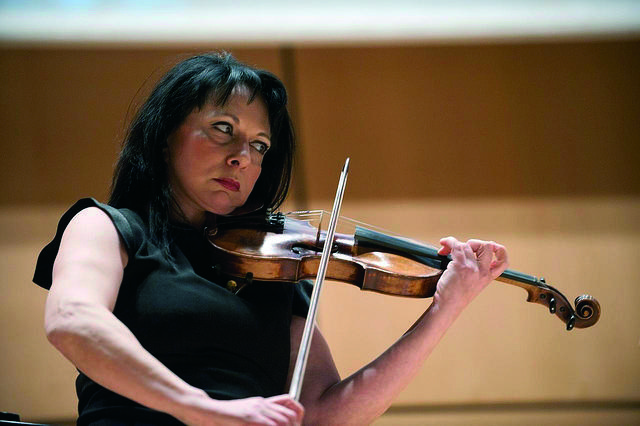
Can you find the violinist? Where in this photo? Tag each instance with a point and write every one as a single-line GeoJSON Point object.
{"type": "Point", "coordinates": [134, 303]}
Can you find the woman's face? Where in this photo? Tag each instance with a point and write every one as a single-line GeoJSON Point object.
{"type": "Point", "coordinates": [215, 156]}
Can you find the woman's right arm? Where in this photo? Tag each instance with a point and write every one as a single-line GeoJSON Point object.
{"type": "Point", "coordinates": [79, 322]}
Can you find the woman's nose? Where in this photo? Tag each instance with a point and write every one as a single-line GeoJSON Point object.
{"type": "Point", "coordinates": [240, 155]}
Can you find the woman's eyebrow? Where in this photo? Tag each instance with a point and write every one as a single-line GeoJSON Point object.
{"type": "Point", "coordinates": [265, 135]}
{"type": "Point", "coordinates": [214, 113]}
{"type": "Point", "coordinates": [237, 120]}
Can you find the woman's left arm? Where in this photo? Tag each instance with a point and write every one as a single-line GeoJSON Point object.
{"type": "Point", "coordinates": [366, 394]}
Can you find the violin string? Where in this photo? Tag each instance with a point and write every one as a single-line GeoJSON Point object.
{"type": "Point", "coordinates": [319, 216]}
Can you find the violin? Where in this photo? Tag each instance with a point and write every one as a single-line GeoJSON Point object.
{"type": "Point", "coordinates": [279, 247]}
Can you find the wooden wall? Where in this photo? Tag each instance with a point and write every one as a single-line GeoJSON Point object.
{"type": "Point", "coordinates": [532, 144]}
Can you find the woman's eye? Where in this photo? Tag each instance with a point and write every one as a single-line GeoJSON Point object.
{"type": "Point", "coordinates": [224, 128]}
{"type": "Point", "coordinates": [261, 147]}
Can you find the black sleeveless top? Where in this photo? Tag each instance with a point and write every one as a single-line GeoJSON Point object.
{"type": "Point", "coordinates": [230, 345]}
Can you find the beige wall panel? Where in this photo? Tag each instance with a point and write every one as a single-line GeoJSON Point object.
{"type": "Point", "coordinates": [37, 381]}
{"type": "Point", "coordinates": [532, 145]}
{"type": "Point", "coordinates": [482, 120]}
{"type": "Point", "coordinates": [64, 113]}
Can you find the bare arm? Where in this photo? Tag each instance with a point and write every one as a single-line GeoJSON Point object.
{"type": "Point", "coordinates": [365, 395]}
{"type": "Point", "coordinates": [79, 322]}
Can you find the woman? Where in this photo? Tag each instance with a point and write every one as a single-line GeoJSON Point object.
{"type": "Point", "coordinates": [135, 304]}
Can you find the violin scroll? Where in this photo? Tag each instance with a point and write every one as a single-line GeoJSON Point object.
{"type": "Point", "coordinates": [587, 309]}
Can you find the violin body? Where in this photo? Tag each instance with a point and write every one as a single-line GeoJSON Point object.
{"type": "Point", "coordinates": [293, 254]}
{"type": "Point", "coordinates": [279, 248]}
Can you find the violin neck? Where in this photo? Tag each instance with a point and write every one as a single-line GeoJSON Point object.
{"type": "Point", "coordinates": [426, 255]}
{"type": "Point", "coordinates": [587, 309]}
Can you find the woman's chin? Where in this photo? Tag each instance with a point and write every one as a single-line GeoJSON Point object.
{"type": "Point", "coordinates": [221, 211]}
{"type": "Point", "coordinates": [222, 205]}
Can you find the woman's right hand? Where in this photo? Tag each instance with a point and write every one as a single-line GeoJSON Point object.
{"type": "Point", "coordinates": [277, 410]}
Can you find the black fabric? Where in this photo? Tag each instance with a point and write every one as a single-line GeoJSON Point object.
{"type": "Point", "coordinates": [231, 345]}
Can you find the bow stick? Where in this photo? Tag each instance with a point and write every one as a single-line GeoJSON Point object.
{"type": "Point", "coordinates": [305, 342]}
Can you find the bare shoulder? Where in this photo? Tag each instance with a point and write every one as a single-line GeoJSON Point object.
{"type": "Point", "coordinates": [92, 229]}
{"type": "Point", "coordinates": [91, 259]}
{"type": "Point", "coordinates": [91, 219]}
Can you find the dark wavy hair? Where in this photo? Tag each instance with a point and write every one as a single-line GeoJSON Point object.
{"type": "Point", "coordinates": [140, 180]}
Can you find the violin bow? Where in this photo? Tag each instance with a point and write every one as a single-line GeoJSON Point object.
{"type": "Point", "coordinates": [305, 342]}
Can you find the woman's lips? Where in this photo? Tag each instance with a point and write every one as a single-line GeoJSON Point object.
{"type": "Point", "coordinates": [230, 184]}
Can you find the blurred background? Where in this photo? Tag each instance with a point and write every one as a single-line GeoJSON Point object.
{"type": "Point", "coordinates": [516, 121]}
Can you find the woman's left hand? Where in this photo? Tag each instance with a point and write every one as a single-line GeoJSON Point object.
{"type": "Point", "coordinates": [473, 266]}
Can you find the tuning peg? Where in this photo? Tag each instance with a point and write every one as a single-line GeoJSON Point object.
{"type": "Point", "coordinates": [571, 323]}
{"type": "Point", "coordinates": [552, 305]}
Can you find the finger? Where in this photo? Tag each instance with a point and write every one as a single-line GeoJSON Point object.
{"type": "Point", "coordinates": [291, 404]}
{"type": "Point", "coordinates": [458, 253]}
{"type": "Point", "coordinates": [285, 409]}
{"type": "Point", "coordinates": [285, 399]}
{"type": "Point", "coordinates": [297, 407]}
{"type": "Point", "coordinates": [502, 261]}
{"type": "Point", "coordinates": [501, 253]}
{"type": "Point", "coordinates": [484, 252]}
{"type": "Point", "coordinates": [447, 244]}
{"type": "Point", "coordinates": [469, 254]}
{"type": "Point", "coordinates": [278, 414]}
{"type": "Point", "coordinates": [274, 414]}
{"type": "Point", "coordinates": [476, 244]}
